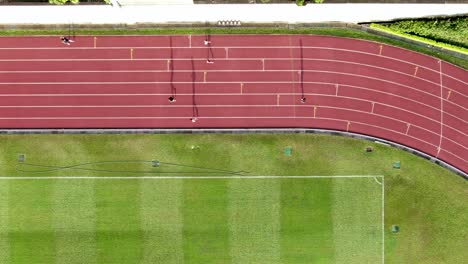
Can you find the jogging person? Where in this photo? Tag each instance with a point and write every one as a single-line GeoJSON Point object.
{"type": "Point", "coordinates": [66, 40]}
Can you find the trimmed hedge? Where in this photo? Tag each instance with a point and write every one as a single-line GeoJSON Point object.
{"type": "Point", "coordinates": [452, 30]}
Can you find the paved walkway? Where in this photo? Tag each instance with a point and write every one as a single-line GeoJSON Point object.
{"type": "Point", "coordinates": [285, 13]}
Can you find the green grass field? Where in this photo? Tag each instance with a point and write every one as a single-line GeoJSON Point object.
{"type": "Point", "coordinates": [238, 219]}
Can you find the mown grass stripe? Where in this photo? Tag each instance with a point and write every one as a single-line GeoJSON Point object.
{"type": "Point", "coordinates": [118, 225]}
{"type": "Point", "coordinates": [32, 239]}
{"type": "Point", "coordinates": [205, 214]}
{"type": "Point", "coordinates": [4, 204]}
{"type": "Point", "coordinates": [357, 220]}
{"type": "Point", "coordinates": [74, 221]}
{"type": "Point", "coordinates": [306, 221]}
{"type": "Point", "coordinates": [254, 220]}
{"type": "Point", "coordinates": [161, 217]}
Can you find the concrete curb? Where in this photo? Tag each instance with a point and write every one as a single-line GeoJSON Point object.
{"type": "Point", "coordinates": [240, 131]}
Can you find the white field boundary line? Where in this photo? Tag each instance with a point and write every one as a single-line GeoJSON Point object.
{"type": "Point", "coordinates": [181, 177]}
{"type": "Point", "coordinates": [375, 177]}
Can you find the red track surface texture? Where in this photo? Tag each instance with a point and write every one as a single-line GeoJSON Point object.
{"type": "Point", "coordinates": [255, 81]}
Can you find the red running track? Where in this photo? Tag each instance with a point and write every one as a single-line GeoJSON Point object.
{"type": "Point", "coordinates": [255, 81]}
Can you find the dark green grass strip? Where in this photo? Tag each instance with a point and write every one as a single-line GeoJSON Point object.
{"type": "Point", "coordinates": [306, 226]}
{"type": "Point", "coordinates": [118, 227]}
{"type": "Point", "coordinates": [340, 32]}
{"type": "Point", "coordinates": [206, 231]}
{"type": "Point", "coordinates": [31, 234]}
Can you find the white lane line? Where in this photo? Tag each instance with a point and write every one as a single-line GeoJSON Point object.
{"type": "Point", "coordinates": [240, 117]}
{"type": "Point", "coordinates": [240, 59]}
{"type": "Point", "coordinates": [441, 109]}
{"type": "Point", "coordinates": [201, 105]}
{"type": "Point", "coordinates": [205, 117]}
{"type": "Point", "coordinates": [232, 106]}
{"type": "Point", "coordinates": [263, 61]}
{"type": "Point", "coordinates": [319, 83]}
{"type": "Point", "coordinates": [230, 47]}
{"type": "Point", "coordinates": [237, 81]}
{"type": "Point", "coordinates": [233, 47]}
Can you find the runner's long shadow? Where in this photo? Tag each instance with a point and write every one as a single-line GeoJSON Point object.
{"type": "Point", "coordinates": [171, 69]}
{"type": "Point", "coordinates": [194, 102]}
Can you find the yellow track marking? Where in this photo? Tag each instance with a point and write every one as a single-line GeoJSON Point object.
{"type": "Point", "coordinates": [449, 93]}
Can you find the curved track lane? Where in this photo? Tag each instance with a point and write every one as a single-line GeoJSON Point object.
{"type": "Point", "coordinates": [255, 81]}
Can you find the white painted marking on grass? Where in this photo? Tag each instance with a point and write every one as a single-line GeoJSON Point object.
{"type": "Point", "coordinates": [383, 220]}
{"type": "Point", "coordinates": [179, 177]}
{"type": "Point", "coordinates": [377, 181]}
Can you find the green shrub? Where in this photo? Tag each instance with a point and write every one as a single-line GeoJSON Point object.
{"type": "Point", "coordinates": [420, 39]}
{"type": "Point", "coordinates": [453, 31]}
{"type": "Point", "coordinates": [301, 2]}
{"type": "Point", "coordinates": [62, 2]}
